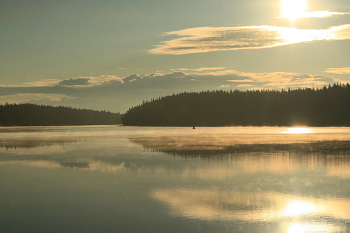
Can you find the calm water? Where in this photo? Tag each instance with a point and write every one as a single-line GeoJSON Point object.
{"type": "Point", "coordinates": [144, 179]}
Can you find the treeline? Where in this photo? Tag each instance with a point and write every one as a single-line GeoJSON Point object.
{"type": "Point", "coordinates": [43, 115]}
{"type": "Point", "coordinates": [328, 106]}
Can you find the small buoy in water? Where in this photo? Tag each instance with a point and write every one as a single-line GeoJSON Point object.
{"type": "Point", "coordinates": [194, 127]}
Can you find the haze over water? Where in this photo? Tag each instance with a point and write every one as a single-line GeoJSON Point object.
{"type": "Point", "coordinates": [169, 179]}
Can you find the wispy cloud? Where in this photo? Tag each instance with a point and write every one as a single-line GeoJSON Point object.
{"type": "Point", "coordinates": [245, 85]}
{"type": "Point", "coordinates": [91, 81]}
{"type": "Point", "coordinates": [277, 80]}
{"type": "Point", "coordinates": [207, 39]}
{"type": "Point", "coordinates": [241, 81]}
{"type": "Point", "coordinates": [41, 83]}
{"type": "Point", "coordinates": [75, 82]}
{"type": "Point", "coordinates": [317, 14]}
{"type": "Point", "coordinates": [344, 70]}
{"type": "Point", "coordinates": [200, 69]}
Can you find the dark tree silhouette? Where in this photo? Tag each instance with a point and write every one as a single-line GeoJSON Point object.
{"type": "Point", "coordinates": [329, 106]}
{"type": "Point", "coordinates": [41, 115]}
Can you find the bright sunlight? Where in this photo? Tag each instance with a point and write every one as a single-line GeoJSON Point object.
{"type": "Point", "coordinates": [295, 228]}
{"type": "Point", "coordinates": [306, 227]}
{"type": "Point", "coordinates": [298, 131]}
{"type": "Point", "coordinates": [296, 208]}
{"type": "Point", "coordinates": [293, 9]}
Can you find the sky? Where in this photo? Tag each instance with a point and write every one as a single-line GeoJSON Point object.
{"type": "Point", "coordinates": [113, 54]}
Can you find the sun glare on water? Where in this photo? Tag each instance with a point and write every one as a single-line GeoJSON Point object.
{"type": "Point", "coordinates": [293, 9]}
{"type": "Point", "coordinates": [296, 208]}
{"type": "Point", "coordinates": [295, 228]}
{"type": "Point", "coordinates": [299, 208]}
{"type": "Point", "coordinates": [298, 131]}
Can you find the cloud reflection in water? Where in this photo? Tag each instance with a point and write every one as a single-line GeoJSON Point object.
{"type": "Point", "coordinates": [314, 214]}
{"type": "Point", "coordinates": [49, 153]}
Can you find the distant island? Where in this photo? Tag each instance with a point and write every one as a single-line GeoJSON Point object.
{"type": "Point", "coordinates": [327, 106]}
{"type": "Point", "coordinates": [43, 115]}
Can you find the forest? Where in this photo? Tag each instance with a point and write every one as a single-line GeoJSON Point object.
{"type": "Point", "coordinates": [43, 115]}
{"type": "Point", "coordinates": [327, 106]}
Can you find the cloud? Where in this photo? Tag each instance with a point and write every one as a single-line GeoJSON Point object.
{"type": "Point", "coordinates": [317, 14]}
{"type": "Point", "coordinates": [245, 85]}
{"type": "Point", "coordinates": [91, 81]}
{"type": "Point", "coordinates": [278, 80]}
{"type": "Point", "coordinates": [41, 83]}
{"type": "Point", "coordinates": [272, 80]}
{"type": "Point", "coordinates": [25, 97]}
{"type": "Point", "coordinates": [344, 70]}
{"type": "Point", "coordinates": [208, 68]}
{"type": "Point", "coordinates": [208, 39]}
{"type": "Point", "coordinates": [103, 79]}
{"type": "Point", "coordinates": [117, 94]}
{"type": "Point", "coordinates": [74, 82]}
{"type": "Point", "coordinates": [200, 69]}
{"type": "Point", "coordinates": [241, 81]}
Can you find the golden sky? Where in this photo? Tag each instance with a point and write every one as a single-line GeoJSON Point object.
{"type": "Point", "coordinates": [111, 55]}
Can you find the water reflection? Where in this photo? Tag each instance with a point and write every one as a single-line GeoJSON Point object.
{"type": "Point", "coordinates": [90, 165]}
{"type": "Point", "coordinates": [316, 227]}
{"type": "Point", "coordinates": [298, 130]}
{"type": "Point", "coordinates": [211, 145]}
{"type": "Point", "coordinates": [50, 153]}
{"type": "Point", "coordinates": [314, 214]}
{"type": "Point", "coordinates": [255, 156]}
{"type": "Point", "coordinates": [256, 180]}
{"type": "Point", "coordinates": [32, 143]}
{"type": "Point", "coordinates": [277, 153]}
{"type": "Point", "coordinates": [76, 164]}
{"type": "Point", "coordinates": [27, 129]}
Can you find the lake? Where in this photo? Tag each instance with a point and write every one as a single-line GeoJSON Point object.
{"type": "Point", "coordinates": [174, 179]}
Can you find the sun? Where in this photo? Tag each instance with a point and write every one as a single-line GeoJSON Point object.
{"type": "Point", "coordinates": [293, 9]}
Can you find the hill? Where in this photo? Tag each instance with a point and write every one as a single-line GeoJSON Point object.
{"type": "Point", "coordinates": [329, 106]}
{"type": "Point", "coordinates": [41, 115]}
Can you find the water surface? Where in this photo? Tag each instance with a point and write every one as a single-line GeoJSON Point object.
{"type": "Point", "coordinates": [168, 179]}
